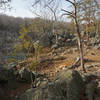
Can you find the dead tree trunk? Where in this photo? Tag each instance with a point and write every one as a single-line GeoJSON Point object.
{"type": "Point", "coordinates": [74, 16]}
{"type": "Point", "coordinates": [79, 37]}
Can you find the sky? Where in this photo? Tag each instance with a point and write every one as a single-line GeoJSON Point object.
{"type": "Point", "coordinates": [20, 8]}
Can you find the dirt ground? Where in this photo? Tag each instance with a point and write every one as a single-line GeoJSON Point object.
{"type": "Point", "coordinates": [52, 63]}
{"type": "Point", "coordinates": [65, 57]}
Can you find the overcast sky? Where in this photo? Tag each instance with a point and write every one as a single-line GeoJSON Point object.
{"type": "Point", "coordinates": [21, 8]}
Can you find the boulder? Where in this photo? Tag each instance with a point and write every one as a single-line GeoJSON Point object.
{"type": "Point", "coordinates": [71, 84]}
{"type": "Point", "coordinates": [2, 95]}
{"type": "Point", "coordinates": [25, 75]}
{"type": "Point", "coordinates": [3, 74]}
{"type": "Point", "coordinates": [8, 77]}
{"type": "Point", "coordinates": [92, 85]}
{"type": "Point", "coordinates": [66, 86]}
{"type": "Point", "coordinates": [7, 72]}
{"type": "Point", "coordinates": [41, 81]}
{"type": "Point", "coordinates": [44, 93]}
{"type": "Point", "coordinates": [97, 92]}
{"type": "Point", "coordinates": [90, 89]}
{"type": "Point", "coordinates": [97, 47]}
{"type": "Point", "coordinates": [55, 46]}
{"type": "Point", "coordinates": [12, 70]}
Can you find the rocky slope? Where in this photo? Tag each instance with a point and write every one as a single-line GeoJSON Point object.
{"type": "Point", "coordinates": [54, 80]}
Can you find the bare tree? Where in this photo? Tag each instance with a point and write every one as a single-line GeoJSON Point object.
{"type": "Point", "coordinates": [54, 12]}
{"type": "Point", "coordinates": [75, 17]}
{"type": "Point", "coordinates": [73, 14]}
{"type": "Point", "coordinates": [48, 10]}
{"type": "Point", "coordinates": [88, 10]}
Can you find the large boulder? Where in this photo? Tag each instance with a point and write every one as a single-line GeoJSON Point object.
{"type": "Point", "coordinates": [42, 93]}
{"type": "Point", "coordinates": [12, 82]}
{"type": "Point", "coordinates": [2, 95]}
{"type": "Point", "coordinates": [90, 90]}
{"type": "Point", "coordinates": [7, 73]}
{"type": "Point", "coordinates": [25, 75]}
{"type": "Point", "coordinates": [71, 83]}
{"type": "Point", "coordinates": [40, 80]}
{"type": "Point", "coordinates": [97, 93]}
{"type": "Point", "coordinates": [8, 77]}
{"type": "Point", "coordinates": [92, 85]}
{"type": "Point", "coordinates": [12, 70]}
{"type": "Point", "coordinates": [67, 85]}
{"type": "Point", "coordinates": [3, 74]}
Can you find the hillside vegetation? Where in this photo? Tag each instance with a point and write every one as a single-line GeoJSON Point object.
{"type": "Point", "coordinates": [48, 58]}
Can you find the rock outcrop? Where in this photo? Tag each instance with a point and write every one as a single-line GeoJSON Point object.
{"type": "Point", "coordinates": [67, 85]}
{"type": "Point", "coordinates": [2, 95]}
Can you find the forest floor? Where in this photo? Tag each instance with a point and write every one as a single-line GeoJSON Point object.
{"type": "Point", "coordinates": [64, 58]}
{"type": "Point", "coordinates": [52, 63]}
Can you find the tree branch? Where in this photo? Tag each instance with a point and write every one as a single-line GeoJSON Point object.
{"type": "Point", "coordinates": [70, 2]}
{"type": "Point", "coordinates": [68, 13]}
{"type": "Point", "coordinates": [50, 1]}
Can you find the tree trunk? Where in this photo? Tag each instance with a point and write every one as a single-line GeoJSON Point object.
{"type": "Point", "coordinates": [79, 37]}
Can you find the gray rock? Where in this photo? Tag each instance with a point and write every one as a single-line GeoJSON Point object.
{"type": "Point", "coordinates": [90, 90]}
{"type": "Point", "coordinates": [55, 46]}
{"type": "Point", "coordinates": [25, 75]}
{"type": "Point", "coordinates": [67, 85]}
{"type": "Point", "coordinates": [53, 40]}
{"type": "Point", "coordinates": [12, 70]}
{"type": "Point", "coordinates": [8, 77]}
{"type": "Point", "coordinates": [11, 65]}
{"type": "Point", "coordinates": [97, 47]}
{"type": "Point", "coordinates": [2, 95]}
{"type": "Point", "coordinates": [3, 74]}
{"type": "Point", "coordinates": [44, 93]}
{"type": "Point", "coordinates": [72, 82]}
{"type": "Point", "coordinates": [8, 72]}
{"type": "Point", "coordinates": [41, 81]}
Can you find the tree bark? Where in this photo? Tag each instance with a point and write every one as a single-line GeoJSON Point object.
{"type": "Point", "coordinates": [79, 37]}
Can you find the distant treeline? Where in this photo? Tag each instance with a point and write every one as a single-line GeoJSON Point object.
{"type": "Point", "coordinates": [10, 23]}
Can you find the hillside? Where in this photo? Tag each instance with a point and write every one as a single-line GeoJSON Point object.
{"type": "Point", "coordinates": [53, 54]}
{"type": "Point", "coordinates": [52, 64]}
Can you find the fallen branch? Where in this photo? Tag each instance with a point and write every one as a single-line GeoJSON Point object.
{"type": "Point", "coordinates": [74, 64]}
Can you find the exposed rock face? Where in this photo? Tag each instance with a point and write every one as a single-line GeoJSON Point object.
{"type": "Point", "coordinates": [90, 90]}
{"type": "Point", "coordinates": [25, 75]}
{"type": "Point", "coordinates": [67, 85]}
{"type": "Point", "coordinates": [73, 82]}
{"type": "Point", "coordinates": [2, 95]}
{"type": "Point", "coordinates": [64, 40]}
{"type": "Point", "coordinates": [3, 74]}
{"type": "Point", "coordinates": [92, 86]}
{"type": "Point", "coordinates": [8, 77]}
{"type": "Point", "coordinates": [94, 41]}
